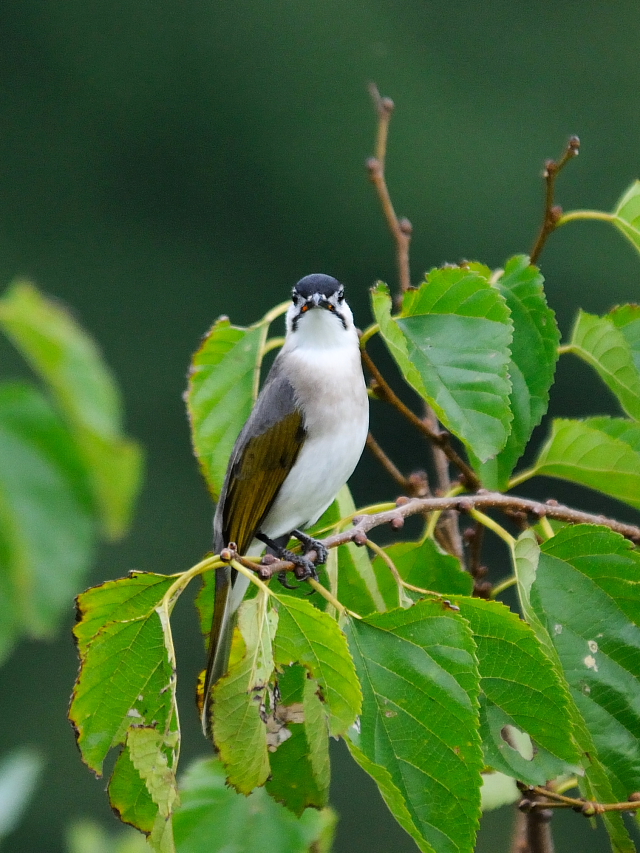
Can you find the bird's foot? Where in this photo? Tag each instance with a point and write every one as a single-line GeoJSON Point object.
{"type": "Point", "coordinates": [304, 567]}
{"type": "Point", "coordinates": [311, 544]}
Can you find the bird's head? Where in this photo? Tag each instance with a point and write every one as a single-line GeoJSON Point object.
{"type": "Point", "coordinates": [318, 314]}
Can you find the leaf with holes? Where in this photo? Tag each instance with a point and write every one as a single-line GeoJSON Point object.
{"type": "Point", "coordinates": [308, 636]}
{"type": "Point", "coordinates": [521, 691]}
{"type": "Point", "coordinates": [126, 675]}
{"type": "Point", "coordinates": [238, 728]}
{"type": "Point", "coordinates": [581, 594]}
{"type": "Point", "coordinates": [419, 724]}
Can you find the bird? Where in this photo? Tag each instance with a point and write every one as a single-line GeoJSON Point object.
{"type": "Point", "coordinates": [299, 446]}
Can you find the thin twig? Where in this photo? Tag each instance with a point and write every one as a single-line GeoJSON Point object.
{"type": "Point", "coordinates": [388, 464]}
{"type": "Point", "coordinates": [553, 212]}
{"type": "Point", "coordinates": [439, 439]}
{"type": "Point", "coordinates": [400, 228]}
{"type": "Point", "coordinates": [461, 503]}
{"type": "Point", "coordinates": [537, 797]}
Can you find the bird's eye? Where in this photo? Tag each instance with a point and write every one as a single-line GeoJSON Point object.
{"type": "Point", "coordinates": [341, 296]}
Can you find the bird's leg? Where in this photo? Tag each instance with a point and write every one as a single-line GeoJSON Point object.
{"type": "Point", "coordinates": [311, 544]}
{"type": "Point", "coordinates": [304, 567]}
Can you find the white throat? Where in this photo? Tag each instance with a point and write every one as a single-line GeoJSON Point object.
{"type": "Point", "coordinates": [321, 329]}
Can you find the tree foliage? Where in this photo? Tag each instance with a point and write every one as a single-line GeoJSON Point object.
{"type": "Point", "coordinates": [404, 651]}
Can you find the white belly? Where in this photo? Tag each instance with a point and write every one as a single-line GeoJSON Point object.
{"type": "Point", "coordinates": [330, 388]}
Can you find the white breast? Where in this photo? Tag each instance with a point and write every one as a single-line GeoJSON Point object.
{"type": "Point", "coordinates": [331, 391]}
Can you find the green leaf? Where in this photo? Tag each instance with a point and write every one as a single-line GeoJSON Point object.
{"type": "Point", "coordinates": [588, 591]}
{"type": "Point", "coordinates": [20, 771]}
{"type": "Point", "coordinates": [521, 691]}
{"type": "Point", "coordinates": [534, 353]}
{"type": "Point", "coordinates": [627, 319]}
{"type": "Point", "coordinates": [70, 364]}
{"type": "Point", "coordinates": [419, 720]}
{"type": "Point", "coordinates": [215, 819]}
{"type": "Point", "coordinates": [599, 342]}
{"type": "Point", "coordinates": [129, 797]}
{"type": "Point", "coordinates": [239, 731]}
{"type": "Point", "coordinates": [221, 393]}
{"type": "Point", "coordinates": [146, 750]}
{"type": "Point", "coordinates": [425, 565]}
{"type": "Point", "coordinates": [568, 595]}
{"type": "Point", "coordinates": [299, 747]}
{"type": "Point", "coordinates": [451, 342]}
{"type": "Point", "coordinates": [359, 586]}
{"type": "Point", "coordinates": [308, 636]}
{"type": "Point", "coordinates": [627, 215]}
{"type": "Point", "coordinates": [46, 526]}
{"type": "Point", "coordinates": [127, 674]}
{"type": "Point", "coordinates": [601, 453]}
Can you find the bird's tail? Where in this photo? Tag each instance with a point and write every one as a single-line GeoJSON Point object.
{"type": "Point", "coordinates": [229, 592]}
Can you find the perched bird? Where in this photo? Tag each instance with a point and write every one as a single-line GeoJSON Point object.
{"type": "Point", "coordinates": [298, 448]}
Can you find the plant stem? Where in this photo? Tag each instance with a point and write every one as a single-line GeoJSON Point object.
{"type": "Point", "coordinates": [388, 465]}
{"type": "Point", "coordinates": [575, 215]}
{"type": "Point", "coordinates": [499, 588]}
{"type": "Point", "coordinates": [492, 525]}
{"type": "Point", "coordinates": [553, 213]}
{"type": "Point", "coordinates": [400, 229]}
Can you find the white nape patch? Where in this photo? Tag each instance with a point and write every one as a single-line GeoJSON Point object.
{"type": "Point", "coordinates": [590, 663]}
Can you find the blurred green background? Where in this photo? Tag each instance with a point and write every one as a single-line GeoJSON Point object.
{"type": "Point", "coordinates": [163, 163]}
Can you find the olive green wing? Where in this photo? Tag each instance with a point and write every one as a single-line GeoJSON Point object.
{"type": "Point", "coordinates": [263, 456]}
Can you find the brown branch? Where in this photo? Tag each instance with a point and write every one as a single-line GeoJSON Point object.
{"type": "Point", "coordinates": [553, 212]}
{"type": "Point", "coordinates": [463, 503]}
{"type": "Point", "coordinates": [416, 484]}
{"type": "Point", "coordinates": [537, 797]}
{"type": "Point", "coordinates": [400, 228]}
{"type": "Point", "coordinates": [440, 439]}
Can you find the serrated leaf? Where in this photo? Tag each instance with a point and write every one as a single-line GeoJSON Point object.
{"type": "Point", "coordinates": [308, 636]}
{"type": "Point", "coordinates": [564, 596]}
{"type": "Point", "coordinates": [419, 720]}
{"type": "Point", "coordinates": [534, 353]}
{"type": "Point", "coordinates": [392, 796]}
{"type": "Point", "coordinates": [601, 453]}
{"type": "Point", "coordinates": [47, 531]}
{"type": "Point", "coordinates": [238, 728]}
{"type": "Point", "coordinates": [425, 565]}
{"type": "Point", "coordinates": [521, 690]}
{"type": "Point", "coordinates": [626, 216]}
{"type": "Point", "coordinates": [626, 318]}
{"type": "Point", "coordinates": [221, 393]}
{"type": "Point", "coordinates": [86, 394]}
{"type": "Point", "coordinates": [299, 747]}
{"type": "Point", "coordinates": [215, 819]}
{"type": "Point", "coordinates": [453, 349]}
{"type": "Point", "coordinates": [146, 749]}
{"type": "Point", "coordinates": [126, 676]}
{"type": "Point", "coordinates": [599, 342]}
{"type": "Point", "coordinates": [129, 796]}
